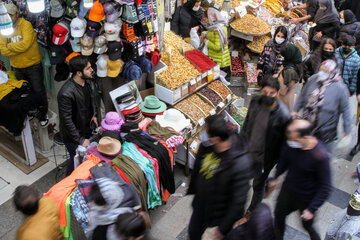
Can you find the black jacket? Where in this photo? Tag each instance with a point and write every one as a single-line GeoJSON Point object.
{"type": "Point", "coordinates": [353, 5]}
{"type": "Point", "coordinates": [75, 112]}
{"type": "Point", "coordinates": [351, 28]}
{"type": "Point", "coordinates": [182, 22]}
{"type": "Point", "coordinates": [221, 189]}
{"type": "Point", "coordinates": [312, 64]}
{"type": "Point", "coordinates": [275, 133]}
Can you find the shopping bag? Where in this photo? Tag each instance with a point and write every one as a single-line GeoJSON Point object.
{"type": "Point", "coordinates": [343, 147]}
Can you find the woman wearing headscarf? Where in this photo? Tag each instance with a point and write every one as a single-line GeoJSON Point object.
{"type": "Point", "coordinates": [290, 74]}
{"type": "Point", "coordinates": [270, 60]}
{"type": "Point", "coordinates": [350, 26]}
{"type": "Point", "coordinates": [217, 39]}
{"type": "Point", "coordinates": [323, 99]}
{"type": "Point", "coordinates": [186, 17]}
{"type": "Point", "coordinates": [324, 52]}
{"type": "Point", "coordinates": [327, 23]}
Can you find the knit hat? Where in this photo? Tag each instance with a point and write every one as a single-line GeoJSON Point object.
{"type": "Point", "coordinates": [173, 118]}
{"type": "Point", "coordinates": [101, 66]}
{"type": "Point", "coordinates": [114, 68]}
{"type": "Point", "coordinates": [87, 45]}
{"type": "Point", "coordinates": [154, 57]}
{"type": "Point", "coordinates": [75, 44]}
{"type": "Point", "coordinates": [78, 27]}
{"type": "Point", "coordinates": [152, 105]}
{"type": "Point", "coordinates": [109, 146]}
{"type": "Point", "coordinates": [112, 122]}
{"type": "Point", "coordinates": [100, 44]}
{"type": "Point", "coordinates": [93, 28]}
{"type": "Point", "coordinates": [57, 10]}
{"type": "Point", "coordinates": [61, 33]}
{"type": "Point", "coordinates": [145, 64]}
{"type": "Point", "coordinates": [96, 12]}
{"type": "Point", "coordinates": [131, 71]}
{"type": "Point", "coordinates": [110, 11]}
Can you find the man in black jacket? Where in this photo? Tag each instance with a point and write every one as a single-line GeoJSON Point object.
{"type": "Point", "coordinates": [307, 184]}
{"type": "Point", "coordinates": [76, 109]}
{"type": "Point", "coordinates": [265, 126]}
{"type": "Point", "coordinates": [220, 180]}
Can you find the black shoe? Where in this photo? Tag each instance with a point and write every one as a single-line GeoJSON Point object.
{"type": "Point", "coordinates": [355, 150]}
{"type": "Point", "coordinates": [44, 121]}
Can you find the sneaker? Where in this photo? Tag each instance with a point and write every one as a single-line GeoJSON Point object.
{"type": "Point", "coordinates": [44, 122]}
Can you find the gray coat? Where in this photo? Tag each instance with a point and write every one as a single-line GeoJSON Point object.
{"type": "Point", "coordinates": [336, 102]}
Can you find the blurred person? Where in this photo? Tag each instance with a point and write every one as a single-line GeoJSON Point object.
{"type": "Point", "coordinates": [323, 99]}
{"type": "Point", "coordinates": [350, 27]}
{"type": "Point", "coordinates": [77, 113]}
{"type": "Point", "coordinates": [217, 40]}
{"type": "Point", "coordinates": [353, 5]}
{"type": "Point", "coordinates": [23, 51]}
{"type": "Point", "coordinates": [219, 181]}
{"type": "Point", "coordinates": [346, 223]}
{"type": "Point", "coordinates": [356, 148]}
{"type": "Point", "coordinates": [270, 60]}
{"type": "Point", "coordinates": [259, 227]}
{"type": "Point", "coordinates": [290, 74]}
{"type": "Point", "coordinates": [265, 126]}
{"type": "Point", "coordinates": [41, 215]}
{"type": "Point", "coordinates": [325, 51]}
{"type": "Point", "coordinates": [186, 17]}
{"type": "Point", "coordinates": [307, 184]}
{"type": "Point", "coordinates": [310, 6]}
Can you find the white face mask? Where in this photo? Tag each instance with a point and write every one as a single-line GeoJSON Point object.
{"type": "Point", "coordinates": [293, 144]}
{"type": "Point", "coordinates": [279, 40]}
{"type": "Point", "coordinates": [322, 76]}
{"type": "Point", "coordinates": [195, 9]}
{"type": "Point", "coordinates": [342, 21]}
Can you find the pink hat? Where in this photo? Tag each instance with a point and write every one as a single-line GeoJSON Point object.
{"type": "Point", "coordinates": [112, 122]}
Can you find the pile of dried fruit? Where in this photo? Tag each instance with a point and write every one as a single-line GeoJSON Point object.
{"type": "Point", "coordinates": [258, 44]}
{"type": "Point", "coordinates": [179, 70]}
{"type": "Point", "coordinates": [220, 88]}
{"type": "Point", "coordinates": [203, 105]}
{"type": "Point", "coordinates": [170, 38]}
{"type": "Point", "coordinates": [250, 24]}
{"type": "Point", "coordinates": [186, 107]}
{"type": "Point", "coordinates": [211, 95]}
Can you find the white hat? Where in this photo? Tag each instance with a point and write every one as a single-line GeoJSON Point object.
{"type": "Point", "coordinates": [112, 31]}
{"type": "Point", "coordinates": [173, 118]}
{"type": "Point", "coordinates": [101, 66]}
{"type": "Point", "coordinates": [75, 44]}
{"type": "Point", "coordinates": [100, 44]}
{"type": "Point", "coordinates": [57, 10]}
{"type": "Point", "coordinates": [78, 27]}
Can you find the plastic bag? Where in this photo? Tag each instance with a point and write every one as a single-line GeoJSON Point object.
{"type": "Point", "coordinates": [343, 147]}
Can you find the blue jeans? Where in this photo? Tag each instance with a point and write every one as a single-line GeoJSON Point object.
{"type": "Point", "coordinates": [71, 148]}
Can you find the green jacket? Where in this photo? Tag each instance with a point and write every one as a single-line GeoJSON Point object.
{"type": "Point", "coordinates": [214, 46]}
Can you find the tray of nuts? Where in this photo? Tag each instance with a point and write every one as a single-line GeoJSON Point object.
{"type": "Point", "coordinates": [170, 38]}
{"type": "Point", "coordinates": [211, 95]}
{"type": "Point", "coordinates": [220, 88]}
{"type": "Point", "coordinates": [257, 46]}
{"type": "Point", "coordinates": [251, 25]}
{"type": "Point", "coordinates": [205, 105]}
{"type": "Point", "coordinates": [190, 110]}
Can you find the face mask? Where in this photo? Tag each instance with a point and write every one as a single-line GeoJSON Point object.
{"type": "Point", "coordinates": [267, 100]}
{"type": "Point", "coordinates": [328, 54]}
{"type": "Point", "coordinates": [293, 144]}
{"type": "Point", "coordinates": [342, 21]}
{"type": "Point", "coordinates": [204, 138]}
{"type": "Point", "coordinates": [346, 50]}
{"type": "Point", "coordinates": [195, 9]}
{"type": "Point", "coordinates": [322, 76]}
{"type": "Point", "coordinates": [279, 40]}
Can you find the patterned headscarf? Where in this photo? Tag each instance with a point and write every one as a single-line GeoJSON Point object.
{"type": "Point", "coordinates": [216, 23]}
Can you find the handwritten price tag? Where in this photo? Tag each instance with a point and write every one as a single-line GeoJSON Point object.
{"type": "Point", "coordinates": [192, 81]}
{"type": "Point", "coordinates": [221, 105]}
{"type": "Point", "coordinates": [201, 122]}
{"type": "Point", "coordinates": [212, 112]}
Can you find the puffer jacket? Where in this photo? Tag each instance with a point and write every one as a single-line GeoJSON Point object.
{"type": "Point", "coordinates": [214, 46]}
{"type": "Point", "coordinates": [224, 185]}
{"type": "Point", "coordinates": [275, 133]}
{"type": "Point", "coordinates": [182, 22]}
{"type": "Point", "coordinates": [349, 69]}
{"type": "Point", "coordinates": [351, 28]}
{"type": "Point", "coordinates": [74, 113]}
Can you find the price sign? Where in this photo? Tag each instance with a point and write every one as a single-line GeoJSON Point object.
{"type": "Point", "coordinates": [210, 72]}
{"type": "Point", "coordinates": [221, 105]}
{"type": "Point", "coordinates": [170, 54]}
{"type": "Point", "coordinates": [184, 87]}
{"type": "Point", "coordinates": [198, 78]}
{"type": "Point", "coordinates": [217, 6]}
{"type": "Point", "coordinates": [194, 145]}
{"type": "Point", "coordinates": [204, 75]}
{"type": "Point", "coordinates": [201, 122]}
{"type": "Point", "coordinates": [193, 132]}
{"type": "Point", "coordinates": [228, 98]}
{"type": "Point", "coordinates": [234, 53]}
{"type": "Point", "coordinates": [241, 10]}
{"type": "Point", "coordinates": [192, 81]}
{"type": "Point", "coordinates": [212, 112]}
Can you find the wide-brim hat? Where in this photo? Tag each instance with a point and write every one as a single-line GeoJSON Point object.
{"type": "Point", "coordinates": [109, 146]}
{"type": "Point", "coordinates": [173, 118]}
{"type": "Point", "coordinates": [152, 105]}
{"type": "Point", "coordinates": [112, 122]}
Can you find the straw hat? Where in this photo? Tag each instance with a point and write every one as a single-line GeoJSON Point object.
{"type": "Point", "coordinates": [109, 146]}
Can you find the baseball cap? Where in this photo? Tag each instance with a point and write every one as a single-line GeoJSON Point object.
{"type": "Point", "coordinates": [57, 10]}
{"type": "Point", "coordinates": [11, 8]}
{"type": "Point", "coordinates": [75, 44]}
{"type": "Point", "coordinates": [112, 31]}
{"type": "Point", "coordinates": [83, 10]}
{"type": "Point", "coordinates": [114, 50]}
{"type": "Point", "coordinates": [61, 32]}
{"type": "Point", "coordinates": [110, 12]}
{"type": "Point", "coordinates": [78, 27]}
{"type": "Point", "coordinates": [96, 12]}
{"type": "Point", "coordinates": [57, 55]}
{"type": "Point", "coordinates": [93, 28]}
{"type": "Point", "coordinates": [87, 45]}
{"type": "Point", "coordinates": [114, 68]}
{"type": "Point", "coordinates": [101, 66]}
{"type": "Point", "coordinates": [100, 44]}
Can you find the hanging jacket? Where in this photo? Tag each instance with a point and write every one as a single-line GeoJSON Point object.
{"type": "Point", "coordinates": [349, 69]}
{"type": "Point", "coordinates": [351, 28]}
{"type": "Point", "coordinates": [21, 47]}
{"type": "Point", "coordinates": [214, 46]}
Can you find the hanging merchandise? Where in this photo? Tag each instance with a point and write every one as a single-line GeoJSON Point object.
{"type": "Point", "coordinates": [93, 28]}
{"type": "Point", "coordinates": [112, 31]}
{"type": "Point", "coordinates": [96, 12]}
{"type": "Point", "coordinates": [110, 12]}
{"type": "Point", "coordinates": [57, 10]}
{"type": "Point", "coordinates": [131, 71]}
{"type": "Point", "coordinates": [6, 24]}
{"type": "Point", "coordinates": [101, 66]}
{"type": "Point", "coordinates": [114, 50]}
{"type": "Point", "coordinates": [75, 44]}
{"type": "Point", "coordinates": [100, 44]}
{"type": "Point", "coordinates": [78, 27]}
{"type": "Point", "coordinates": [114, 68]}
{"type": "Point", "coordinates": [61, 32]}
{"type": "Point", "coordinates": [87, 45]}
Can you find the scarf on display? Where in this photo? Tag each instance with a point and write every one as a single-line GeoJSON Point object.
{"type": "Point", "coordinates": [216, 23]}
{"type": "Point", "coordinates": [197, 15]}
{"type": "Point", "coordinates": [107, 214]}
{"type": "Point", "coordinates": [326, 12]}
{"type": "Point", "coordinates": [311, 111]}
